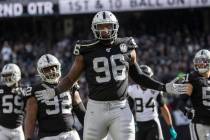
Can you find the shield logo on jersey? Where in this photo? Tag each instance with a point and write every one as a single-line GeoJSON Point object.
{"type": "Point", "coordinates": [123, 48]}
{"type": "Point", "coordinates": [1, 91]}
{"type": "Point", "coordinates": [108, 49]}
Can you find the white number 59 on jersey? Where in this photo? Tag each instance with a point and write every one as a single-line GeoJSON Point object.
{"type": "Point", "coordinates": [11, 105]}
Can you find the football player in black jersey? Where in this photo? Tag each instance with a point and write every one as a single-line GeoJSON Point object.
{"type": "Point", "coordinates": [199, 93]}
{"type": "Point", "coordinates": [107, 61]}
{"type": "Point", "coordinates": [11, 104]}
{"type": "Point", "coordinates": [54, 117]}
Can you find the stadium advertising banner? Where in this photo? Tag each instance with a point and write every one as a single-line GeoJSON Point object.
{"type": "Point", "coordinates": [89, 6]}
{"type": "Point", "coordinates": [17, 9]}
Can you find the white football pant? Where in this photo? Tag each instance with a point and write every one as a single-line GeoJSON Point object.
{"type": "Point", "coordinates": [114, 117]}
{"type": "Point", "coordinates": [71, 135]}
{"type": "Point", "coordinates": [11, 134]}
{"type": "Point", "coordinates": [199, 131]}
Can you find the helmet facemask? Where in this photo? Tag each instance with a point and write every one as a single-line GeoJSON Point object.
{"type": "Point", "coordinates": [8, 79]}
{"type": "Point", "coordinates": [105, 25]}
{"type": "Point", "coordinates": [105, 31]}
{"type": "Point", "coordinates": [201, 64]}
{"type": "Point", "coordinates": [10, 74]}
{"type": "Point", "coordinates": [50, 74]}
{"type": "Point", "coordinates": [49, 68]}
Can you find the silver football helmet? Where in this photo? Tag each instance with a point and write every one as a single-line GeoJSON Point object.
{"type": "Point", "coordinates": [49, 68]}
{"type": "Point", "coordinates": [105, 18]}
{"type": "Point", "coordinates": [146, 70]}
{"type": "Point", "coordinates": [201, 61]}
{"type": "Point", "coordinates": [10, 74]}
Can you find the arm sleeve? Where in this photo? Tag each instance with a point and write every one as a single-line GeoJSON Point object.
{"type": "Point", "coordinates": [160, 99]}
{"type": "Point", "coordinates": [80, 110]}
{"type": "Point", "coordinates": [131, 103]}
{"type": "Point", "coordinates": [137, 75]}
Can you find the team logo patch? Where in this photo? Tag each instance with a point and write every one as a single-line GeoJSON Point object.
{"type": "Point", "coordinates": [108, 49]}
{"type": "Point", "coordinates": [1, 91]}
{"type": "Point", "coordinates": [123, 48]}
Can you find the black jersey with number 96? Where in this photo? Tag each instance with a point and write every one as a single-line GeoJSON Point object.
{"type": "Point", "coordinates": [106, 67]}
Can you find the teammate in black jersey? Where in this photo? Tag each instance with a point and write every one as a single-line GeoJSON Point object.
{"type": "Point", "coordinates": [199, 93]}
{"type": "Point", "coordinates": [54, 117]}
{"type": "Point", "coordinates": [107, 61]}
{"type": "Point", "coordinates": [11, 104]}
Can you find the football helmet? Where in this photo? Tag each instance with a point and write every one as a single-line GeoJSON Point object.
{"type": "Point", "coordinates": [105, 18]}
{"type": "Point", "coordinates": [10, 74]}
{"type": "Point", "coordinates": [49, 68]}
{"type": "Point", "coordinates": [146, 70]}
{"type": "Point", "coordinates": [201, 61]}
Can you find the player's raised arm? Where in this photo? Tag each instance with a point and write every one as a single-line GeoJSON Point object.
{"type": "Point", "coordinates": [73, 75]}
{"type": "Point", "coordinates": [78, 106]}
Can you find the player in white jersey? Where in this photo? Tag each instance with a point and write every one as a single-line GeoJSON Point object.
{"type": "Point", "coordinates": [146, 103]}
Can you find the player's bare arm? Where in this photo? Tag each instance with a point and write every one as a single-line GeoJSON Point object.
{"type": "Point", "coordinates": [73, 75]}
{"type": "Point", "coordinates": [164, 109]}
{"type": "Point", "coordinates": [30, 118]}
{"type": "Point", "coordinates": [166, 115]}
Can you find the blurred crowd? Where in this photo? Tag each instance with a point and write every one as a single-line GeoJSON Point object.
{"type": "Point", "coordinates": [166, 54]}
{"type": "Point", "coordinates": [167, 48]}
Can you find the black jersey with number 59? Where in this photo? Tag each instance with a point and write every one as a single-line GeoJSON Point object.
{"type": "Point", "coordinates": [200, 97]}
{"type": "Point", "coordinates": [106, 67]}
{"type": "Point", "coordinates": [11, 108]}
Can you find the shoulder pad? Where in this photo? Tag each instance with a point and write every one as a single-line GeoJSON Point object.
{"type": "Point", "coordinates": [189, 77]}
{"type": "Point", "coordinates": [155, 91]}
{"type": "Point", "coordinates": [34, 88]}
{"type": "Point", "coordinates": [81, 46]}
{"type": "Point", "coordinates": [132, 87]}
{"type": "Point", "coordinates": [2, 88]}
{"type": "Point", "coordinates": [193, 76]}
{"type": "Point", "coordinates": [28, 91]}
{"type": "Point", "coordinates": [129, 41]}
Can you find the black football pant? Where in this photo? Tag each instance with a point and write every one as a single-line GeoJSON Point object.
{"type": "Point", "coordinates": [149, 130]}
